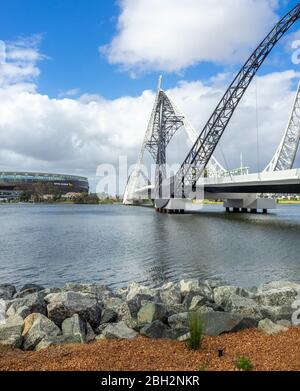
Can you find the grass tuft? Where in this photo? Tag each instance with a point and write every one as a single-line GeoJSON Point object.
{"type": "Point", "coordinates": [196, 331]}
{"type": "Point", "coordinates": [244, 363]}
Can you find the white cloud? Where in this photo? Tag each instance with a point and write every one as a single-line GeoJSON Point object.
{"type": "Point", "coordinates": [19, 65]}
{"type": "Point", "coordinates": [171, 35]}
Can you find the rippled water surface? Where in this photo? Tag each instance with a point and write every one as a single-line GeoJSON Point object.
{"type": "Point", "coordinates": [52, 244]}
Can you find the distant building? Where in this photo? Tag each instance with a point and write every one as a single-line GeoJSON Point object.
{"type": "Point", "coordinates": [14, 183]}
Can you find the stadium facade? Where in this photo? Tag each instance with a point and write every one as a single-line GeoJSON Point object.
{"type": "Point", "coordinates": [44, 183]}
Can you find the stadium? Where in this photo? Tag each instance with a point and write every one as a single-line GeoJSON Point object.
{"type": "Point", "coordinates": [12, 183]}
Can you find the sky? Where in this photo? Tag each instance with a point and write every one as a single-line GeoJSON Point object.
{"type": "Point", "coordinates": [78, 78]}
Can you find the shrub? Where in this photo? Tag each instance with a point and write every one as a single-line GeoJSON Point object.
{"type": "Point", "coordinates": [196, 330]}
{"type": "Point", "coordinates": [244, 363]}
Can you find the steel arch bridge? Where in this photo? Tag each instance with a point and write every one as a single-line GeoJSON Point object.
{"type": "Point", "coordinates": [166, 119]}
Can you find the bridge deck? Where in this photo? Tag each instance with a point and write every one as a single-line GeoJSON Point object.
{"type": "Point", "coordinates": [287, 181]}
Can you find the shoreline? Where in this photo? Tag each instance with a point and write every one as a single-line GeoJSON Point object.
{"type": "Point", "coordinates": [36, 318]}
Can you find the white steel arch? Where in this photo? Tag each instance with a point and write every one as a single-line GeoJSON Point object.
{"type": "Point", "coordinates": [285, 154]}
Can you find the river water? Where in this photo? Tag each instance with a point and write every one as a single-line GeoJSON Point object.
{"type": "Point", "coordinates": [54, 244]}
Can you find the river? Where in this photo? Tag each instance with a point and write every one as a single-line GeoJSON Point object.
{"type": "Point", "coordinates": [114, 244]}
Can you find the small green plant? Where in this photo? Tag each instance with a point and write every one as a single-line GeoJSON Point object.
{"type": "Point", "coordinates": [196, 331]}
{"type": "Point", "coordinates": [244, 363]}
{"type": "Point", "coordinates": [202, 368]}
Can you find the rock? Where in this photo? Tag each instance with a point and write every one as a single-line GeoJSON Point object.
{"type": "Point", "coordinates": [34, 302]}
{"type": "Point", "coordinates": [78, 328]}
{"type": "Point", "coordinates": [222, 293]}
{"type": "Point", "coordinates": [278, 285]}
{"type": "Point", "coordinates": [136, 303]}
{"type": "Point", "coordinates": [11, 332]}
{"type": "Point", "coordinates": [197, 302]}
{"type": "Point", "coordinates": [156, 329]}
{"type": "Point", "coordinates": [28, 289]}
{"type": "Point", "coordinates": [90, 335]}
{"type": "Point", "coordinates": [57, 340]}
{"type": "Point", "coordinates": [278, 297]}
{"type": "Point", "coordinates": [119, 331]}
{"type": "Point", "coordinates": [125, 315]}
{"type": "Point", "coordinates": [108, 316]}
{"type": "Point", "coordinates": [216, 323]}
{"type": "Point", "coordinates": [186, 286]}
{"type": "Point", "coordinates": [170, 294]}
{"type": "Point", "coordinates": [135, 289]}
{"type": "Point", "coordinates": [97, 291]}
{"type": "Point", "coordinates": [191, 295]}
{"type": "Point", "coordinates": [37, 327]}
{"type": "Point", "coordinates": [268, 327]}
{"type": "Point", "coordinates": [63, 305]}
{"type": "Point", "coordinates": [179, 323]}
{"type": "Point", "coordinates": [244, 306]}
{"type": "Point", "coordinates": [277, 312]}
{"type": "Point", "coordinates": [284, 323]}
{"type": "Point", "coordinates": [74, 326]}
{"type": "Point", "coordinates": [7, 291]}
{"type": "Point", "coordinates": [151, 312]}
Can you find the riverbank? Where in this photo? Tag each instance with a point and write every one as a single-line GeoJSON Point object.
{"type": "Point", "coordinates": [279, 352]}
{"type": "Point", "coordinates": [35, 318]}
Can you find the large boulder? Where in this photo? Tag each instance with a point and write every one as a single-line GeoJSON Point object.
{"type": "Point", "coordinates": [150, 312]}
{"type": "Point", "coordinates": [76, 327]}
{"type": "Point", "coordinates": [276, 297]}
{"type": "Point", "coordinates": [119, 331]}
{"type": "Point", "coordinates": [244, 306]}
{"type": "Point", "coordinates": [216, 323]}
{"type": "Point", "coordinates": [34, 302]}
{"type": "Point", "coordinates": [7, 291]}
{"type": "Point", "coordinates": [268, 327]}
{"type": "Point", "coordinates": [11, 332]}
{"type": "Point", "coordinates": [276, 313]}
{"type": "Point", "coordinates": [170, 294]}
{"type": "Point", "coordinates": [37, 327]}
{"type": "Point", "coordinates": [157, 329]}
{"type": "Point", "coordinates": [63, 305]}
{"type": "Point", "coordinates": [136, 302]}
{"type": "Point", "coordinates": [222, 293]}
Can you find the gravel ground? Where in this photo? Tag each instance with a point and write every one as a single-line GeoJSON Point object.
{"type": "Point", "coordinates": [277, 352]}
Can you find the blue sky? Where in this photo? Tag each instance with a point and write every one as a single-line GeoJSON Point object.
{"type": "Point", "coordinates": [88, 92]}
{"type": "Point", "coordinates": [73, 30]}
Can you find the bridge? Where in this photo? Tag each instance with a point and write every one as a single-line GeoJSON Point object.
{"type": "Point", "coordinates": [201, 175]}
